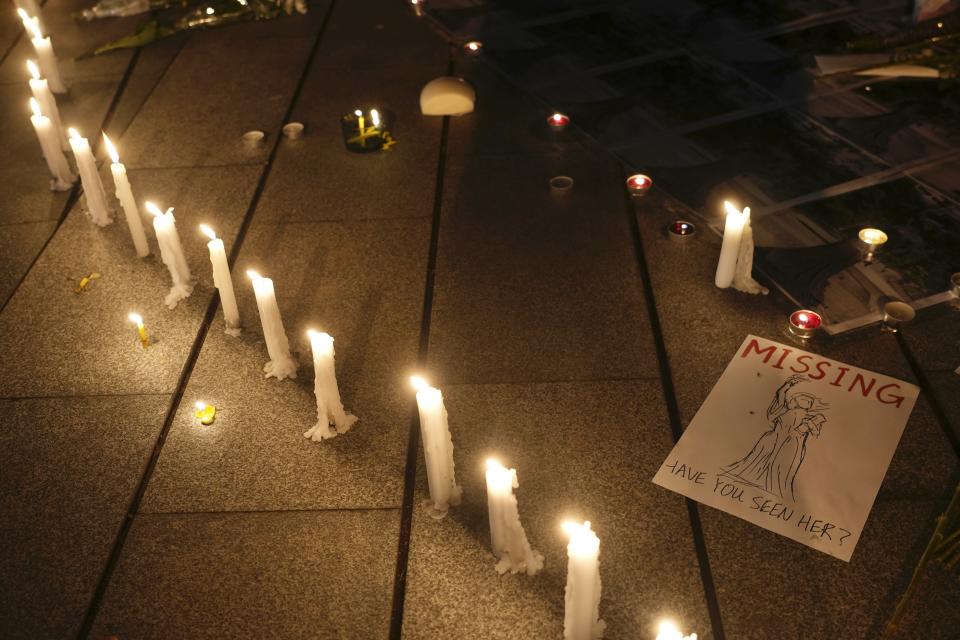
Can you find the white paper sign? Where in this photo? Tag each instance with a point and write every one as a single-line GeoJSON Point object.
{"type": "Point", "coordinates": [793, 442]}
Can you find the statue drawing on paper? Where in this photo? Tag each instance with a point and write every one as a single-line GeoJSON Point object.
{"type": "Point", "coordinates": [773, 463]}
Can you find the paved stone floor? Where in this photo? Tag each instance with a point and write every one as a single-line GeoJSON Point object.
{"type": "Point", "coordinates": [569, 336]}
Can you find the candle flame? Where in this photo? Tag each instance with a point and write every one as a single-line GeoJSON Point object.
{"type": "Point", "coordinates": [200, 405]}
{"type": "Point", "coordinates": [152, 208]}
{"type": "Point", "coordinates": [207, 231]}
{"type": "Point", "coordinates": [730, 208]}
{"type": "Point", "coordinates": [23, 14]}
{"type": "Point", "coordinates": [33, 69]}
{"type": "Point", "coordinates": [492, 464]}
{"type": "Point", "coordinates": [419, 383]}
{"type": "Point", "coordinates": [375, 117]}
{"type": "Point", "coordinates": [136, 318]}
{"type": "Point", "coordinates": [253, 275]}
{"type": "Point", "coordinates": [35, 107]}
{"type": "Point", "coordinates": [111, 150]}
{"type": "Point", "coordinates": [73, 133]}
{"type": "Point", "coordinates": [667, 630]}
{"type": "Point", "coordinates": [358, 113]}
{"type": "Point", "coordinates": [34, 25]}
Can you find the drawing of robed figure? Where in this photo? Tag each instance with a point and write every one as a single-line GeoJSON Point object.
{"type": "Point", "coordinates": [775, 460]}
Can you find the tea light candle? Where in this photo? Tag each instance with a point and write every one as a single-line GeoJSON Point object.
{"type": "Point", "coordinates": [558, 122]}
{"type": "Point", "coordinates": [667, 630]}
{"type": "Point", "coordinates": [40, 89]}
{"type": "Point", "coordinates": [638, 185]}
{"type": "Point", "coordinates": [507, 537]}
{"type": "Point", "coordinates": [581, 613]}
{"type": "Point", "coordinates": [680, 229]}
{"type": "Point", "coordinates": [124, 194]}
{"type": "Point", "coordinates": [417, 7]}
{"type": "Point", "coordinates": [90, 179]}
{"type": "Point", "coordinates": [437, 449]}
{"type": "Point", "coordinates": [281, 364]}
{"type": "Point", "coordinates": [329, 407]}
{"type": "Point", "coordinates": [62, 179]}
{"type": "Point", "coordinates": [870, 242]}
{"type": "Point", "coordinates": [223, 281]}
{"type": "Point", "coordinates": [171, 252]}
{"type": "Point", "coordinates": [137, 319]}
{"type": "Point", "coordinates": [473, 48]}
{"type": "Point", "coordinates": [804, 323]}
{"type": "Point", "coordinates": [729, 250]}
{"type": "Point", "coordinates": [896, 314]}
{"type": "Point", "coordinates": [46, 58]}
{"type": "Point", "coordinates": [205, 413]}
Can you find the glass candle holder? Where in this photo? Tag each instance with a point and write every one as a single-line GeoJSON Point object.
{"type": "Point", "coordinates": [870, 242]}
{"type": "Point", "coordinates": [638, 185]}
{"type": "Point", "coordinates": [680, 230]}
{"type": "Point", "coordinates": [804, 323]}
{"type": "Point", "coordinates": [895, 315]}
{"type": "Point", "coordinates": [360, 135]}
{"type": "Point", "coordinates": [558, 122]}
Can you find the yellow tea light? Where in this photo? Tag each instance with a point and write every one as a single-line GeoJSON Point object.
{"type": "Point", "coordinates": [873, 237]}
{"type": "Point", "coordinates": [206, 413]}
{"type": "Point", "coordinates": [137, 319]}
{"type": "Point", "coordinates": [84, 281]}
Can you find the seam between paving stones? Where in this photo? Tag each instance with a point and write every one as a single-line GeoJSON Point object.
{"type": "Point", "coordinates": [74, 196]}
{"type": "Point", "coordinates": [146, 514]}
{"type": "Point", "coordinates": [673, 412]}
{"type": "Point", "coordinates": [100, 591]}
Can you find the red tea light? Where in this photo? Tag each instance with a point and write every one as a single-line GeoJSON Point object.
{"type": "Point", "coordinates": [638, 185]}
{"type": "Point", "coordinates": [680, 229]}
{"type": "Point", "coordinates": [804, 323]}
{"type": "Point", "coordinates": [473, 48]}
{"type": "Point", "coordinates": [558, 122]}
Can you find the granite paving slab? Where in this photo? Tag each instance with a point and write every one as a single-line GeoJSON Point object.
{"type": "Point", "coordinates": [945, 386]}
{"type": "Point", "coordinates": [242, 575]}
{"type": "Point", "coordinates": [19, 245]}
{"type": "Point", "coordinates": [315, 178]}
{"type": "Point", "coordinates": [526, 279]}
{"type": "Point", "coordinates": [68, 470]}
{"type": "Point", "coordinates": [933, 338]}
{"type": "Point", "coordinates": [582, 450]}
{"type": "Point", "coordinates": [57, 341]}
{"type": "Point", "coordinates": [362, 282]}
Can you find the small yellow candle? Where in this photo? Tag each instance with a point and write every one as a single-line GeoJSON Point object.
{"type": "Point", "coordinates": [375, 118]}
{"type": "Point", "coordinates": [141, 329]}
{"type": "Point", "coordinates": [206, 413]}
{"type": "Point", "coordinates": [359, 115]}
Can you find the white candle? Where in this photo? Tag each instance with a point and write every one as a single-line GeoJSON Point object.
{"type": "Point", "coordinates": [223, 281]}
{"type": "Point", "coordinates": [329, 407]}
{"type": "Point", "coordinates": [171, 252]}
{"type": "Point", "coordinates": [437, 449]}
{"type": "Point", "coordinates": [27, 8]}
{"type": "Point", "coordinates": [281, 364]}
{"type": "Point", "coordinates": [49, 66]}
{"type": "Point", "coordinates": [581, 615]}
{"type": "Point", "coordinates": [507, 536]}
{"type": "Point", "coordinates": [40, 89]}
{"type": "Point", "coordinates": [50, 145]}
{"type": "Point", "coordinates": [90, 178]}
{"type": "Point", "coordinates": [743, 273]}
{"type": "Point", "coordinates": [125, 195]}
{"type": "Point", "coordinates": [667, 630]}
{"type": "Point", "coordinates": [732, 233]}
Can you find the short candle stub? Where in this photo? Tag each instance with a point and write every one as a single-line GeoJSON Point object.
{"type": "Point", "coordinates": [293, 130]}
{"type": "Point", "coordinates": [473, 48]}
{"type": "Point", "coordinates": [638, 185]}
{"type": "Point", "coordinates": [205, 413]}
{"type": "Point", "coordinates": [253, 139]}
{"type": "Point", "coordinates": [558, 122]}
{"type": "Point", "coordinates": [137, 319]}
{"type": "Point", "coordinates": [804, 324]}
{"type": "Point", "coordinates": [895, 315]}
{"type": "Point", "coordinates": [561, 185]}
{"type": "Point", "coordinates": [680, 229]}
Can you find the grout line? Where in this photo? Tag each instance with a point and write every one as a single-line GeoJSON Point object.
{"type": "Point", "coordinates": [413, 438]}
{"type": "Point", "coordinates": [243, 512]}
{"type": "Point", "coordinates": [70, 396]}
{"type": "Point", "coordinates": [74, 194]}
{"type": "Point", "coordinates": [199, 167]}
{"type": "Point", "coordinates": [651, 378]}
{"type": "Point", "coordinates": [673, 412]}
{"type": "Point", "coordinates": [114, 557]}
{"type": "Point", "coordinates": [927, 388]}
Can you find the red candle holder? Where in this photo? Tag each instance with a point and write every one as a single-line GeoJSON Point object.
{"type": "Point", "coordinates": [681, 229]}
{"type": "Point", "coordinates": [473, 48]}
{"type": "Point", "coordinates": [558, 122]}
{"type": "Point", "coordinates": [638, 185]}
{"type": "Point", "coordinates": [804, 323]}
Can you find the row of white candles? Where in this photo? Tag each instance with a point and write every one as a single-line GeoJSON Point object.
{"type": "Point", "coordinates": [43, 47]}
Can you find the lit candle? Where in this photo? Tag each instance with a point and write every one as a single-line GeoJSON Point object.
{"type": "Point", "coordinates": [52, 153]}
{"type": "Point", "coordinates": [668, 631]}
{"type": "Point", "coordinates": [27, 8]}
{"type": "Point", "coordinates": [638, 185]}
{"type": "Point", "coordinates": [680, 229]}
{"type": "Point", "coordinates": [870, 242]}
{"type": "Point", "coordinates": [223, 281]}
{"type": "Point", "coordinates": [730, 249]}
{"type": "Point", "coordinates": [171, 252]}
{"type": "Point", "coordinates": [90, 178]}
{"type": "Point", "coordinates": [137, 319]}
{"type": "Point", "coordinates": [804, 323]}
{"type": "Point", "coordinates": [329, 407]}
{"type": "Point", "coordinates": [437, 449]}
{"type": "Point", "coordinates": [375, 119]}
{"type": "Point", "coordinates": [125, 195]}
{"type": "Point", "coordinates": [581, 613]}
{"type": "Point", "coordinates": [417, 7]}
{"type": "Point", "coordinates": [45, 57]}
{"type": "Point", "coordinates": [473, 48]}
{"type": "Point", "coordinates": [558, 122]}
{"type": "Point", "coordinates": [40, 89]}
{"type": "Point", "coordinates": [359, 115]}
{"type": "Point", "coordinates": [507, 537]}
{"type": "Point", "coordinates": [205, 413]}
{"type": "Point", "coordinates": [281, 364]}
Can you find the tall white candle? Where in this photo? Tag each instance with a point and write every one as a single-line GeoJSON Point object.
{"type": "Point", "coordinates": [581, 614]}
{"type": "Point", "coordinates": [437, 449]}
{"type": "Point", "coordinates": [62, 179]}
{"type": "Point", "coordinates": [40, 89]}
{"type": "Point", "coordinates": [281, 364]}
{"type": "Point", "coordinates": [732, 233]}
{"type": "Point", "coordinates": [125, 195]}
{"type": "Point", "coordinates": [46, 58]}
{"type": "Point", "coordinates": [27, 8]}
{"type": "Point", "coordinates": [171, 252]}
{"type": "Point", "coordinates": [743, 274]}
{"type": "Point", "coordinates": [329, 407]}
{"type": "Point", "coordinates": [90, 178]}
{"type": "Point", "coordinates": [223, 281]}
{"type": "Point", "coordinates": [507, 537]}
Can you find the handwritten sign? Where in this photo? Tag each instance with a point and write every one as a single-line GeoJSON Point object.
{"type": "Point", "coordinates": [793, 442]}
